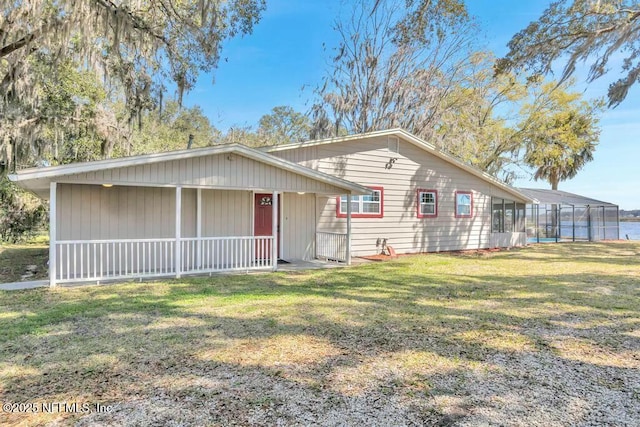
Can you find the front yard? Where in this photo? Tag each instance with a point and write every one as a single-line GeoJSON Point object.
{"type": "Point", "coordinates": [546, 335]}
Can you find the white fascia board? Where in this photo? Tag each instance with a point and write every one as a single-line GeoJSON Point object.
{"type": "Point", "coordinates": [303, 170]}
{"type": "Point", "coordinates": [76, 168]}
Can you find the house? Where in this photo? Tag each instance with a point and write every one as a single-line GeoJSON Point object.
{"type": "Point", "coordinates": [235, 208]}
{"type": "Point", "coordinates": [183, 212]}
{"type": "Point", "coordinates": [423, 200]}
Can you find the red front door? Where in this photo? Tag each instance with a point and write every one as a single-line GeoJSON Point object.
{"type": "Point", "coordinates": [263, 223]}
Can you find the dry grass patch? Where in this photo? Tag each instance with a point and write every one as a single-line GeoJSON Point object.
{"type": "Point", "coordinates": [542, 335]}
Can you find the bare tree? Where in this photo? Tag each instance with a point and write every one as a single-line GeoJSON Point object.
{"type": "Point", "coordinates": [385, 77]}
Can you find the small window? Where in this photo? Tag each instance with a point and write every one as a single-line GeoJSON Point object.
{"type": "Point", "coordinates": [365, 206]}
{"type": "Point", "coordinates": [427, 203]}
{"type": "Point", "coordinates": [464, 204]}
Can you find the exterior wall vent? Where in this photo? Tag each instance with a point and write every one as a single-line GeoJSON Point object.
{"type": "Point", "coordinates": [393, 144]}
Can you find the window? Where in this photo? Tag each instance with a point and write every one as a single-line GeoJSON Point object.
{"type": "Point", "coordinates": [427, 203]}
{"type": "Point", "coordinates": [366, 206]}
{"type": "Point", "coordinates": [520, 217]}
{"type": "Point", "coordinates": [497, 215]}
{"type": "Point", "coordinates": [464, 204]}
{"type": "Point", "coordinates": [507, 216]}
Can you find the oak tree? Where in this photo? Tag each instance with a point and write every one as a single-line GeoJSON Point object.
{"type": "Point", "coordinates": [575, 31]}
{"type": "Point", "coordinates": [138, 48]}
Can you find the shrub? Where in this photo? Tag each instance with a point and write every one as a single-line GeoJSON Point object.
{"type": "Point", "coordinates": [21, 214]}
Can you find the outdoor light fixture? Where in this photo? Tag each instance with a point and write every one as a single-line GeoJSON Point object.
{"type": "Point", "coordinates": [301, 192]}
{"type": "Point", "coordinates": [107, 185]}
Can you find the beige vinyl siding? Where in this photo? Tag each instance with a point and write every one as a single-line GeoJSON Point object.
{"type": "Point", "coordinates": [93, 212]}
{"type": "Point", "coordinates": [226, 213]}
{"type": "Point", "coordinates": [230, 171]}
{"type": "Point", "coordinates": [367, 162]}
{"type": "Point", "coordinates": [510, 238]}
{"type": "Point", "coordinates": [298, 226]}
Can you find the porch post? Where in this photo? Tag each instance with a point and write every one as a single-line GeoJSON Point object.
{"type": "Point", "coordinates": [274, 230]}
{"type": "Point", "coordinates": [589, 233]}
{"type": "Point", "coordinates": [348, 254]}
{"type": "Point", "coordinates": [199, 225]}
{"type": "Point", "coordinates": [178, 248]}
{"type": "Point", "coordinates": [52, 233]}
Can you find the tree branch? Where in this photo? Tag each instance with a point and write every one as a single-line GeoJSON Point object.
{"type": "Point", "coordinates": [18, 44]}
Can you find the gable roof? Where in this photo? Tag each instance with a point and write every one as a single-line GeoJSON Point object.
{"type": "Point", "coordinates": [35, 179]}
{"type": "Point", "coordinates": [418, 142]}
{"type": "Point", "coordinates": [544, 196]}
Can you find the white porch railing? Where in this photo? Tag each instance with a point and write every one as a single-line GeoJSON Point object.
{"type": "Point", "coordinates": [331, 246]}
{"type": "Point", "coordinates": [98, 260]}
{"type": "Point", "coordinates": [211, 254]}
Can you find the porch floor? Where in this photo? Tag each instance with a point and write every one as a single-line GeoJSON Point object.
{"type": "Point", "coordinates": [317, 264]}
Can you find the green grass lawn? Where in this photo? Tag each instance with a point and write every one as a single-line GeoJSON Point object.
{"type": "Point", "coordinates": [545, 335]}
{"type": "Point", "coordinates": [14, 260]}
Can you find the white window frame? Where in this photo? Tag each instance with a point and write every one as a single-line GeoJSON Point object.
{"type": "Point", "coordinates": [358, 202]}
{"type": "Point", "coordinates": [420, 213]}
{"type": "Point", "coordinates": [458, 204]}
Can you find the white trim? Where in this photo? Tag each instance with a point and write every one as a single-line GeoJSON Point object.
{"type": "Point", "coordinates": [434, 193]}
{"type": "Point", "coordinates": [53, 219]}
{"type": "Point", "coordinates": [178, 248]}
{"type": "Point", "coordinates": [274, 230]}
{"type": "Point", "coordinates": [348, 248]}
{"type": "Point", "coordinates": [123, 264]}
{"type": "Point", "coordinates": [252, 229]}
{"type": "Point", "coordinates": [199, 221]}
{"type": "Point", "coordinates": [361, 202]}
{"type": "Point", "coordinates": [281, 222]}
{"type": "Point", "coordinates": [155, 185]}
{"type": "Point", "coordinates": [415, 141]}
{"type": "Point", "coordinates": [260, 156]}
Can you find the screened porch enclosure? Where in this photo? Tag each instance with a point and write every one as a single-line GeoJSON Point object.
{"type": "Point", "coordinates": [569, 223]}
{"type": "Point", "coordinates": [565, 217]}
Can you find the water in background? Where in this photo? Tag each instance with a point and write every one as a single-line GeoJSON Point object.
{"type": "Point", "coordinates": [630, 228]}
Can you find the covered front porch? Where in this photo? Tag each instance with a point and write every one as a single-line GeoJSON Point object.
{"type": "Point", "coordinates": [213, 210]}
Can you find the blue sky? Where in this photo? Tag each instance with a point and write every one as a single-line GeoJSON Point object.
{"type": "Point", "coordinates": [287, 55]}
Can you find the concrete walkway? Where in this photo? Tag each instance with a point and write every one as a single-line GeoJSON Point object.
{"type": "Point", "coordinates": [16, 286]}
